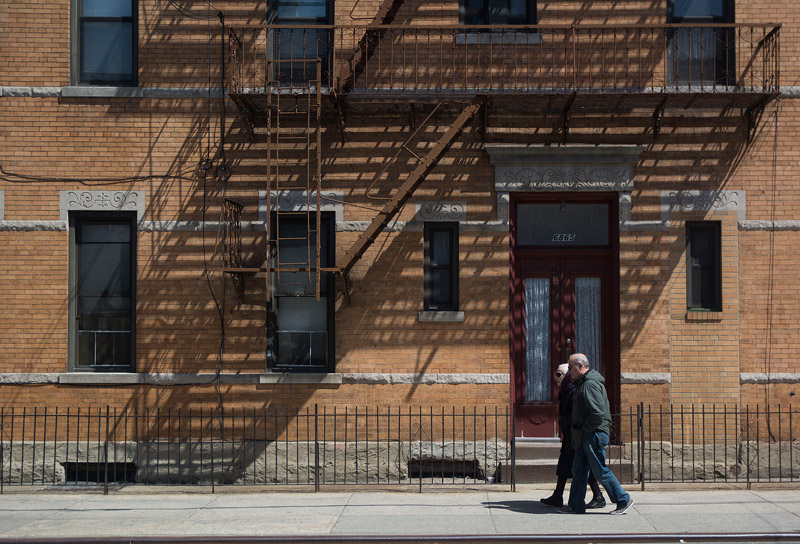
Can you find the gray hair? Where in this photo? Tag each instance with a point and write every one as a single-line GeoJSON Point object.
{"type": "Point", "coordinates": [582, 359]}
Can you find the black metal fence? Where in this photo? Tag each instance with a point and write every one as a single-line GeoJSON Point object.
{"type": "Point", "coordinates": [322, 445]}
{"type": "Point", "coordinates": [710, 443]}
{"type": "Point", "coordinates": [272, 446]}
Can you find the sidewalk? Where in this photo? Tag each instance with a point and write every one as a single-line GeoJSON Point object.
{"type": "Point", "coordinates": [135, 512]}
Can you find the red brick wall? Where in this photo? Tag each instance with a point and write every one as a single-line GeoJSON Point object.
{"type": "Point", "coordinates": [378, 331]}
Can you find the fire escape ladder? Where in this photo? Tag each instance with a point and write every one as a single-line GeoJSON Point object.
{"type": "Point", "coordinates": [404, 192]}
{"type": "Point", "coordinates": [354, 66]}
{"type": "Point", "coordinates": [294, 137]}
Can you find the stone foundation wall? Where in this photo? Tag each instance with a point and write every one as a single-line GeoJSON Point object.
{"type": "Point", "coordinates": [252, 462]}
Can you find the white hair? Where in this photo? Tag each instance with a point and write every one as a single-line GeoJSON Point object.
{"type": "Point", "coordinates": [563, 367]}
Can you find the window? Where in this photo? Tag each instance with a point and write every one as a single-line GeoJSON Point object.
{"type": "Point", "coordinates": [301, 327]}
{"type": "Point", "coordinates": [441, 266]}
{"type": "Point", "coordinates": [563, 224]}
{"type": "Point", "coordinates": [703, 266]}
{"type": "Point", "coordinates": [497, 12]}
{"type": "Point", "coordinates": [104, 42]}
{"type": "Point", "coordinates": [102, 250]}
{"type": "Point", "coordinates": [701, 55]}
{"type": "Point", "coordinates": [298, 48]}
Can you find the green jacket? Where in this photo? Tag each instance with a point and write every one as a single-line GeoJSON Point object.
{"type": "Point", "coordinates": [590, 409]}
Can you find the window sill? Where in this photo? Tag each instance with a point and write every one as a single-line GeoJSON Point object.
{"type": "Point", "coordinates": [135, 378]}
{"type": "Point", "coordinates": [703, 315]}
{"type": "Point", "coordinates": [440, 316]}
{"type": "Point", "coordinates": [510, 38]}
{"type": "Point", "coordinates": [101, 91]}
{"type": "Point", "coordinates": [300, 378]}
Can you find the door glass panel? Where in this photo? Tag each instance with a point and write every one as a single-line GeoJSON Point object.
{"type": "Point", "coordinates": [565, 225]}
{"type": "Point", "coordinates": [587, 320]}
{"type": "Point", "coordinates": [537, 339]}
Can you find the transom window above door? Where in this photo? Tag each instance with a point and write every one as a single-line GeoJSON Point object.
{"type": "Point", "coordinates": [562, 224]}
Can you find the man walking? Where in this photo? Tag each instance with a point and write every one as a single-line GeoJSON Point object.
{"type": "Point", "coordinates": [591, 426]}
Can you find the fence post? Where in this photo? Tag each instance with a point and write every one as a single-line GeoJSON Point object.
{"type": "Point", "coordinates": [316, 448]}
{"type": "Point", "coordinates": [747, 445]}
{"type": "Point", "coordinates": [105, 456]}
{"type": "Point", "coordinates": [513, 448]}
{"type": "Point", "coordinates": [640, 441]}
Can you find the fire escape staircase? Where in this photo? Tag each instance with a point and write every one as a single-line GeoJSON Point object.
{"type": "Point", "coordinates": [355, 65]}
{"type": "Point", "coordinates": [403, 193]}
{"type": "Point", "coordinates": [293, 136]}
{"type": "Point", "coordinates": [756, 84]}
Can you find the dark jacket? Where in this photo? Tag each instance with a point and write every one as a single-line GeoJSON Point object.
{"type": "Point", "coordinates": [565, 394]}
{"type": "Point", "coordinates": [565, 456]}
{"type": "Point", "coordinates": [590, 409]}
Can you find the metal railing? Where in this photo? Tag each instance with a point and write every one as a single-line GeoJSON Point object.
{"type": "Point", "coordinates": [709, 443]}
{"type": "Point", "coordinates": [712, 58]}
{"type": "Point", "coordinates": [318, 446]}
{"type": "Point", "coordinates": [271, 446]}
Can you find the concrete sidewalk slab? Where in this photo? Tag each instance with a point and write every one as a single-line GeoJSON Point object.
{"type": "Point", "coordinates": [492, 511]}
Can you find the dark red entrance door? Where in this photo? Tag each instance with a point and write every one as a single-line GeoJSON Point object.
{"type": "Point", "coordinates": [564, 300]}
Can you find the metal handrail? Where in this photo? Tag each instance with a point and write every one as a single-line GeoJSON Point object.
{"type": "Point", "coordinates": [672, 57]}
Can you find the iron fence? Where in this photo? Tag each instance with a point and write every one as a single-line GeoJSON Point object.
{"type": "Point", "coordinates": [278, 445]}
{"type": "Point", "coordinates": [318, 446]}
{"type": "Point", "coordinates": [710, 58]}
{"type": "Point", "coordinates": [710, 443]}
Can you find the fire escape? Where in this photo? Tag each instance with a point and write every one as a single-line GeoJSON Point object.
{"type": "Point", "coordinates": [285, 80]}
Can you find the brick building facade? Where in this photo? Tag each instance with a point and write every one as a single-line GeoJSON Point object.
{"type": "Point", "coordinates": [120, 147]}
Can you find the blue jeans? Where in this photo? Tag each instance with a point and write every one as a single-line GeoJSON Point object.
{"type": "Point", "coordinates": [592, 456]}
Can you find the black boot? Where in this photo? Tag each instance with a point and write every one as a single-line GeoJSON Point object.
{"type": "Point", "coordinates": [557, 498]}
{"type": "Point", "coordinates": [553, 500]}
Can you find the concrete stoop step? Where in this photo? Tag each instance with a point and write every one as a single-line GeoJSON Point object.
{"type": "Point", "coordinates": [537, 459]}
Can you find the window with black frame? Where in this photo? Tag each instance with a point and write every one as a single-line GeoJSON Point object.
{"type": "Point", "coordinates": [296, 49]}
{"type": "Point", "coordinates": [700, 55]}
{"type": "Point", "coordinates": [101, 305]}
{"type": "Point", "coordinates": [300, 334]}
{"type": "Point", "coordinates": [440, 274]}
{"type": "Point", "coordinates": [703, 266]}
{"type": "Point", "coordinates": [106, 41]}
{"type": "Point", "coordinates": [497, 12]}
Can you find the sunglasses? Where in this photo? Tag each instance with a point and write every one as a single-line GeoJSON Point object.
{"type": "Point", "coordinates": [559, 374]}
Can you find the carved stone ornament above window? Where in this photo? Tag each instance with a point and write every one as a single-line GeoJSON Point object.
{"type": "Point", "coordinates": [440, 211]}
{"type": "Point", "coordinates": [564, 168]}
{"type": "Point", "coordinates": [331, 201]}
{"type": "Point", "coordinates": [101, 201]}
{"type": "Point", "coordinates": [703, 201]}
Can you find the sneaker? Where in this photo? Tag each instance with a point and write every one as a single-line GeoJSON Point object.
{"type": "Point", "coordinates": [622, 507]}
{"type": "Point", "coordinates": [596, 502]}
{"type": "Point", "coordinates": [552, 500]}
{"type": "Point", "coordinates": [566, 510]}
